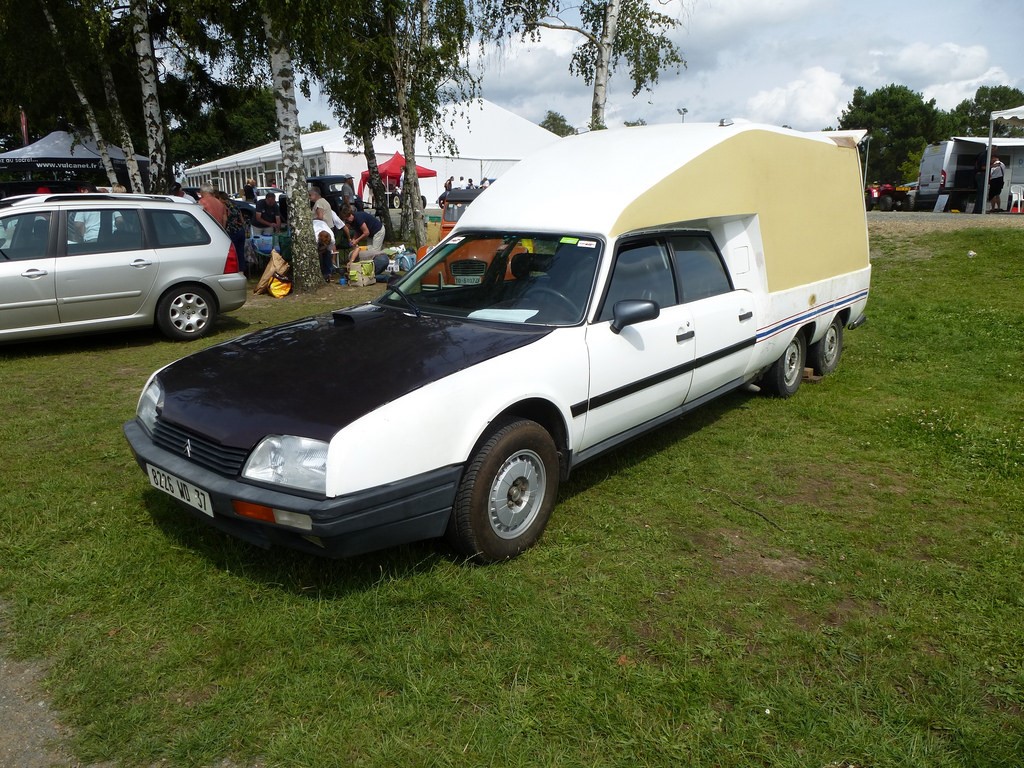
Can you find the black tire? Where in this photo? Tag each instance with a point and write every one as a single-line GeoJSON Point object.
{"type": "Point", "coordinates": [823, 356]}
{"type": "Point", "coordinates": [506, 495]}
{"type": "Point", "coordinates": [885, 203]}
{"type": "Point", "coordinates": [186, 312]}
{"type": "Point", "coordinates": [783, 378]}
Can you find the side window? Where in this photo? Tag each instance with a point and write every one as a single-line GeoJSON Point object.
{"type": "Point", "coordinates": [642, 271]}
{"type": "Point", "coordinates": [126, 232]}
{"type": "Point", "coordinates": [103, 231]}
{"type": "Point", "coordinates": [25, 236]}
{"type": "Point", "coordinates": [177, 228]}
{"type": "Point", "coordinates": [700, 269]}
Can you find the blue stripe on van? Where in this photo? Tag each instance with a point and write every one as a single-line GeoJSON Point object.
{"type": "Point", "coordinates": [811, 314]}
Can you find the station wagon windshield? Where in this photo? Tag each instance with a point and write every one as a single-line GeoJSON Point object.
{"type": "Point", "coordinates": [513, 278]}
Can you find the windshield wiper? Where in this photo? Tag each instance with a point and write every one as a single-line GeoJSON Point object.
{"type": "Point", "coordinates": [405, 297]}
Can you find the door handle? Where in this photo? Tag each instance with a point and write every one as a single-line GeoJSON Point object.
{"type": "Point", "coordinates": [34, 273]}
{"type": "Point", "coordinates": [139, 263]}
{"type": "Point", "coordinates": [745, 316]}
{"type": "Point", "coordinates": [684, 336]}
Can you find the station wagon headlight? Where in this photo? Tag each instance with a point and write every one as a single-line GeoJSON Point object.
{"type": "Point", "coordinates": [150, 404]}
{"type": "Point", "coordinates": [297, 462]}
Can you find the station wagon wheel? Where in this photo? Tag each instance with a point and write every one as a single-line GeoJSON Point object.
{"type": "Point", "coordinates": [186, 313]}
{"type": "Point", "coordinates": [783, 378]}
{"type": "Point", "coordinates": [506, 495]}
{"type": "Point", "coordinates": [823, 356]}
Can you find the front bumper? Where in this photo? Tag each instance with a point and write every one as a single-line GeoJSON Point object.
{"type": "Point", "coordinates": [413, 509]}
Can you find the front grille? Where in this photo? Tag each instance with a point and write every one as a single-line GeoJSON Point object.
{"type": "Point", "coordinates": [468, 268]}
{"type": "Point", "coordinates": [204, 452]}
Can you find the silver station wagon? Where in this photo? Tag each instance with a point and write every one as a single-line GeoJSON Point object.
{"type": "Point", "coordinates": [84, 263]}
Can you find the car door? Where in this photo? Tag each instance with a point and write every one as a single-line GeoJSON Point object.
{"type": "Point", "coordinates": [108, 273]}
{"type": "Point", "coordinates": [724, 321]}
{"type": "Point", "coordinates": [642, 373]}
{"type": "Point", "coordinates": [27, 272]}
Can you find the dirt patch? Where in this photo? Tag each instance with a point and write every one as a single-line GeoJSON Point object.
{"type": "Point", "coordinates": [901, 225]}
{"type": "Point", "coordinates": [737, 556]}
{"type": "Point", "coordinates": [30, 733]}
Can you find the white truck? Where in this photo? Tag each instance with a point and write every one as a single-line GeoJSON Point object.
{"type": "Point", "coordinates": [949, 168]}
{"type": "Point", "coordinates": [607, 285]}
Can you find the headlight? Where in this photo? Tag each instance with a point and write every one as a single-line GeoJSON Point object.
{"type": "Point", "coordinates": [150, 405]}
{"type": "Point", "coordinates": [297, 462]}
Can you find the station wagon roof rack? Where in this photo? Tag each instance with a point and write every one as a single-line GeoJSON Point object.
{"type": "Point", "coordinates": [77, 197]}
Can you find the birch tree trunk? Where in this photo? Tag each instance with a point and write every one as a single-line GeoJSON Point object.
{"type": "Point", "coordinates": [305, 263]}
{"type": "Point", "coordinates": [114, 104]}
{"type": "Point", "coordinates": [150, 98]}
{"type": "Point", "coordinates": [602, 70]}
{"type": "Point", "coordinates": [415, 38]}
{"type": "Point", "coordinates": [90, 115]}
{"type": "Point", "coordinates": [376, 185]}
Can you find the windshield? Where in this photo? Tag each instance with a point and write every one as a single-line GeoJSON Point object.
{"type": "Point", "coordinates": [513, 278]}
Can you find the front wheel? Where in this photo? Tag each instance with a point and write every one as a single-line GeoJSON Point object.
{"type": "Point", "coordinates": [506, 495]}
{"type": "Point", "coordinates": [823, 356]}
{"type": "Point", "coordinates": [783, 378]}
{"type": "Point", "coordinates": [186, 313]}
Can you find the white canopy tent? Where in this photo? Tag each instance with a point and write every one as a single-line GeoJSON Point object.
{"type": "Point", "coordinates": [1014, 117]}
{"type": "Point", "coordinates": [489, 140]}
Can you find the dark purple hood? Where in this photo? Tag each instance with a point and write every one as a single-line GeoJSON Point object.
{"type": "Point", "coordinates": [312, 377]}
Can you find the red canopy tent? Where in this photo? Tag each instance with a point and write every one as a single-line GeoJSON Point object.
{"type": "Point", "coordinates": [391, 172]}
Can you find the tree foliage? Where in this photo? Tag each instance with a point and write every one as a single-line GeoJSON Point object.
{"type": "Point", "coordinates": [403, 65]}
{"type": "Point", "coordinates": [614, 33]}
{"type": "Point", "coordinates": [971, 116]}
{"type": "Point", "coordinates": [900, 123]}
{"type": "Point", "coordinates": [242, 119]}
{"type": "Point", "coordinates": [557, 124]}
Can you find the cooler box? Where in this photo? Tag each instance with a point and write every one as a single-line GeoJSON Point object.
{"type": "Point", "coordinates": [433, 229]}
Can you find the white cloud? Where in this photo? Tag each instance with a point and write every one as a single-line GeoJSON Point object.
{"type": "Point", "coordinates": [948, 95]}
{"type": "Point", "coordinates": [810, 103]}
{"type": "Point", "coordinates": [925, 62]}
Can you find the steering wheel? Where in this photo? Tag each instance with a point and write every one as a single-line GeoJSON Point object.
{"type": "Point", "coordinates": [564, 301]}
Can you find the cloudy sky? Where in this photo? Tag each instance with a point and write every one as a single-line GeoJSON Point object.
{"type": "Point", "coordinates": [792, 62]}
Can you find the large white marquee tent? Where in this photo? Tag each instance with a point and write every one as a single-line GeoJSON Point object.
{"type": "Point", "coordinates": [488, 138]}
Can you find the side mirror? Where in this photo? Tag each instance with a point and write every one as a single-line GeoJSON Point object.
{"type": "Point", "coordinates": [630, 311]}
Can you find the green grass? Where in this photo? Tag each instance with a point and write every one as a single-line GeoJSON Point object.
{"type": "Point", "coordinates": [829, 580]}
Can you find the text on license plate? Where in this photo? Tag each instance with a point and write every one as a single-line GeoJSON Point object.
{"type": "Point", "coordinates": [468, 280]}
{"type": "Point", "coordinates": [179, 489]}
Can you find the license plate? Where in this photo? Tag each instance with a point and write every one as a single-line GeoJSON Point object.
{"type": "Point", "coordinates": [468, 280]}
{"type": "Point", "coordinates": [179, 489]}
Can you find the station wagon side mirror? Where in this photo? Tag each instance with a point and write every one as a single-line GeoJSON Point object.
{"type": "Point", "coordinates": [630, 311]}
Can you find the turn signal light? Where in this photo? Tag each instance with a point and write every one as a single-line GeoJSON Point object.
{"type": "Point", "coordinates": [271, 515]}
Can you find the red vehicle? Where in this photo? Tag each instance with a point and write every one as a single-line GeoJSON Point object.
{"type": "Point", "coordinates": [888, 197]}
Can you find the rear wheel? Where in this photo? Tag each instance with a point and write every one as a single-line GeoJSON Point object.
{"type": "Point", "coordinates": [885, 203]}
{"type": "Point", "coordinates": [823, 356]}
{"type": "Point", "coordinates": [783, 378]}
{"type": "Point", "coordinates": [507, 493]}
{"type": "Point", "coordinates": [186, 313]}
